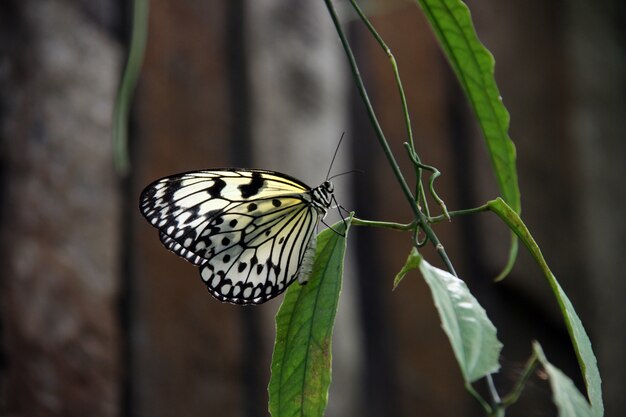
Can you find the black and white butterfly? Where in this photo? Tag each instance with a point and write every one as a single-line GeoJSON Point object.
{"type": "Point", "coordinates": [252, 232]}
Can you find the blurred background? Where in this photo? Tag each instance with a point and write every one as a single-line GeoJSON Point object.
{"type": "Point", "coordinates": [98, 319]}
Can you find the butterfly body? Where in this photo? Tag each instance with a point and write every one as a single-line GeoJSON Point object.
{"type": "Point", "coordinates": [251, 232]}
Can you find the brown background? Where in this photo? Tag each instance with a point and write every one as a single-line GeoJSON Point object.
{"type": "Point", "coordinates": [98, 319]}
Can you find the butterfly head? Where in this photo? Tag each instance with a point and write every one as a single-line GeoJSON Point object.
{"type": "Point", "coordinates": [322, 196]}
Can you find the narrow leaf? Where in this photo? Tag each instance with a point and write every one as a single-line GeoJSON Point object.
{"type": "Point", "coordinates": [465, 322]}
{"type": "Point", "coordinates": [301, 364]}
{"type": "Point", "coordinates": [569, 401]}
{"type": "Point", "coordinates": [121, 112]}
{"type": "Point", "coordinates": [582, 345]}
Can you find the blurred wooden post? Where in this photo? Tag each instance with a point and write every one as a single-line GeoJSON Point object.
{"type": "Point", "coordinates": [59, 224]}
{"type": "Point", "coordinates": [185, 346]}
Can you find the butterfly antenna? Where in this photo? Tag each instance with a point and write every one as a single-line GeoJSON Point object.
{"type": "Point", "coordinates": [334, 156]}
{"type": "Point", "coordinates": [345, 173]}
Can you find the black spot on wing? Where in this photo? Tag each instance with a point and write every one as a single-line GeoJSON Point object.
{"type": "Point", "coordinates": [215, 191]}
{"type": "Point", "coordinates": [253, 187]}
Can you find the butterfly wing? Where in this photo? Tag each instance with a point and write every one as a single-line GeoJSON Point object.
{"type": "Point", "coordinates": [247, 230]}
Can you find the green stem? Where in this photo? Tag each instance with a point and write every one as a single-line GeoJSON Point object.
{"type": "Point", "coordinates": [458, 213]}
{"type": "Point", "coordinates": [431, 182]}
{"type": "Point", "coordinates": [419, 188]}
{"type": "Point", "coordinates": [421, 217]}
{"type": "Point", "coordinates": [370, 110]}
{"type": "Point", "coordinates": [496, 410]}
{"type": "Point", "coordinates": [514, 395]}
{"type": "Point", "coordinates": [392, 59]}
{"type": "Point", "coordinates": [469, 388]}
{"type": "Point", "coordinates": [385, 225]}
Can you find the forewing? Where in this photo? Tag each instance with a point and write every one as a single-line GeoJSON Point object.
{"type": "Point", "coordinates": [186, 207]}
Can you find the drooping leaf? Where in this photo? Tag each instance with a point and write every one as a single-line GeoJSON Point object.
{"type": "Point", "coordinates": [580, 340]}
{"type": "Point", "coordinates": [471, 333]}
{"type": "Point", "coordinates": [301, 363]}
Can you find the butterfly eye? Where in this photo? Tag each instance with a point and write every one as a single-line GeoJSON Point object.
{"type": "Point", "coordinates": [328, 186]}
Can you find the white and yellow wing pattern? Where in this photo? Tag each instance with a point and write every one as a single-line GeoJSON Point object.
{"type": "Point", "coordinates": [251, 232]}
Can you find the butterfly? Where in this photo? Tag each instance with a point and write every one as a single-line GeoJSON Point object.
{"type": "Point", "coordinates": [251, 232]}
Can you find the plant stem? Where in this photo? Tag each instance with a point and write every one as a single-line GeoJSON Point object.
{"type": "Point", "coordinates": [421, 217]}
{"type": "Point", "coordinates": [419, 188]}
{"type": "Point", "coordinates": [431, 182]}
{"type": "Point", "coordinates": [370, 111]}
{"type": "Point", "coordinates": [469, 388]}
{"type": "Point", "coordinates": [514, 395]}
{"type": "Point", "coordinates": [497, 409]}
{"type": "Point", "coordinates": [457, 213]}
{"type": "Point", "coordinates": [386, 225]}
{"type": "Point", "coordinates": [392, 59]}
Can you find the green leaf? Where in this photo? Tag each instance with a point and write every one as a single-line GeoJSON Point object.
{"type": "Point", "coordinates": [465, 322]}
{"type": "Point", "coordinates": [569, 401]}
{"type": "Point", "coordinates": [582, 345]}
{"type": "Point", "coordinates": [412, 262]}
{"type": "Point", "coordinates": [301, 364]}
{"type": "Point", "coordinates": [474, 67]}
